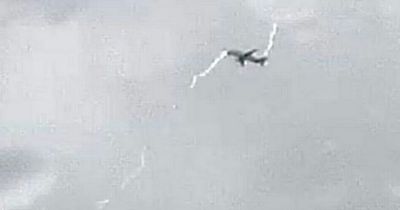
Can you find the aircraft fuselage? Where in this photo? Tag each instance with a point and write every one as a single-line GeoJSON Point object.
{"type": "Point", "coordinates": [243, 57]}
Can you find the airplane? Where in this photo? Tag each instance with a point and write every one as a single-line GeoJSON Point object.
{"type": "Point", "coordinates": [242, 57]}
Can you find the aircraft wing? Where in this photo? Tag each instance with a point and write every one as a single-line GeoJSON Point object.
{"type": "Point", "coordinates": [236, 53]}
{"type": "Point", "coordinates": [249, 53]}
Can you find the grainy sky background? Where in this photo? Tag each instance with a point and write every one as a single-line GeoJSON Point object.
{"type": "Point", "coordinates": [86, 85]}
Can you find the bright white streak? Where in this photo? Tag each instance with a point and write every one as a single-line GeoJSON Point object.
{"type": "Point", "coordinates": [224, 53]}
{"type": "Point", "coordinates": [270, 41]}
{"type": "Point", "coordinates": [221, 56]}
{"type": "Point", "coordinates": [103, 203]}
{"type": "Point", "coordinates": [137, 171]}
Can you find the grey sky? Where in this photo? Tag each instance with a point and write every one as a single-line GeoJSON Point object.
{"type": "Point", "coordinates": [85, 85]}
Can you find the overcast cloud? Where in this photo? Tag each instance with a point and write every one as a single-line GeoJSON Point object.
{"type": "Point", "coordinates": [95, 93]}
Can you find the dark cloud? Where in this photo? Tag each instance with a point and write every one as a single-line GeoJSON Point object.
{"type": "Point", "coordinates": [18, 165]}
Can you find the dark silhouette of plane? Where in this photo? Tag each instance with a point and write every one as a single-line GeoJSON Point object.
{"type": "Point", "coordinates": [242, 57]}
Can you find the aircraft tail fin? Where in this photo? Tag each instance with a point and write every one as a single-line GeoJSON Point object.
{"type": "Point", "coordinates": [242, 62]}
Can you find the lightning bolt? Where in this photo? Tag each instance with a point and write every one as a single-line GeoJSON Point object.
{"type": "Point", "coordinates": [221, 56]}
{"type": "Point", "coordinates": [271, 40]}
{"type": "Point", "coordinates": [224, 53]}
